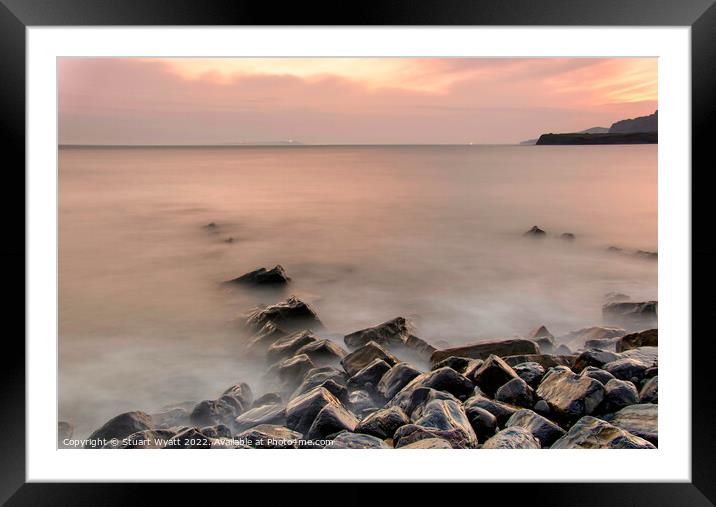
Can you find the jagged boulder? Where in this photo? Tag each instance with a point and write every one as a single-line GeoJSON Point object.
{"type": "Point", "coordinates": [394, 331]}
{"type": "Point", "coordinates": [191, 438]}
{"type": "Point", "coordinates": [501, 411]}
{"type": "Point", "coordinates": [263, 277]}
{"type": "Point", "coordinates": [459, 364]}
{"type": "Point", "coordinates": [618, 394]}
{"type": "Point", "coordinates": [531, 372]}
{"type": "Point", "coordinates": [650, 391]}
{"type": "Point", "coordinates": [444, 379]}
{"type": "Point", "coordinates": [264, 338]}
{"type": "Point", "coordinates": [302, 410]}
{"type": "Point", "coordinates": [516, 392]}
{"type": "Point", "coordinates": [265, 414]}
{"type": "Point", "coordinates": [483, 422]}
{"type": "Point", "coordinates": [291, 315]}
{"type": "Point", "coordinates": [640, 420]}
{"type": "Point", "coordinates": [544, 360]}
{"type": "Point", "coordinates": [362, 403]}
{"type": "Point", "coordinates": [348, 440]}
{"type": "Point", "coordinates": [482, 350]}
{"type": "Point", "coordinates": [363, 356]}
{"type": "Point", "coordinates": [592, 433]}
{"type": "Point", "coordinates": [396, 379]}
{"type": "Point", "coordinates": [597, 374]}
{"type": "Point", "coordinates": [119, 427]}
{"type": "Point", "coordinates": [323, 352]}
{"type": "Point", "coordinates": [412, 401]}
{"type": "Point", "coordinates": [220, 411]}
{"type": "Point", "coordinates": [493, 373]}
{"type": "Point", "coordinates": [268, 399]}
{"type": "Point", "coordinates": [514, 437]}
{"type": "Point", "coordinates": [331, 378]}
{"type": "Point", "coordinates": [594, 357]}
{"type": "Point", "coordinates": [291, 371]}
{"type": "Point", "coordinates": [331, 419]}
{"type": "Point", "coordinates": [369, 376]}
{"type": "Point", "coordinates": [216, 431]}
{"type": "Point", "coordinates": [627, 368]}
{"type": "Point", "coordinates": [442, 419]}
{"type": "Point", "coordinates": [289, 345]}
{"type": "Point", "coordinates": [648, 338]}
{"type": "Point", "coordinates": [428, 443]}
{"type": "Point", "coordinates": [540, 427]}
{"type": "Point", "coordinates": [570, 396]}
{"type": "Point", "coordinates": [631, 315]}
{"type": "Point", "coordinates": [383, 423]}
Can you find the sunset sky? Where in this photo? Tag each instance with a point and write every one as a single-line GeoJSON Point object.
{"type": "Point", "coordinates": [346, 100]}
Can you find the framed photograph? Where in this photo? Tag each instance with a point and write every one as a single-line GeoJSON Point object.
{"type": "Point", "coordinates": [431, 243]}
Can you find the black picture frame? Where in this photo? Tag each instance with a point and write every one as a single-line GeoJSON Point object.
{"type": "Point", "coordinates": [700, 15]}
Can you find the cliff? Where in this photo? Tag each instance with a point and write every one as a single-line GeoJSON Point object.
{"type": "Point", "coordinates": [610, 138]}
{"type": "Point", "coordinates": [641, 124]}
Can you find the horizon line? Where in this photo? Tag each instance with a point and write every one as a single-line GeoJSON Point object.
{"type": "Point", "coordinates": [268, 145]}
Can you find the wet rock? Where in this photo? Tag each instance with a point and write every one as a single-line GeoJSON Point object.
{"type": "Point", "coordinates": [189, 439]}
{"type": "Point", "coordinates": [444, 379]}
{"type": "Point", "coordinates": [147, 439]}
{"type": "Point", "coordinates": [649, 338]}
{"type": "Point", "coordinates": [292, 371]}
{"type": "Point", "coordinates": [605, 344]}
{"type": "Point", "coordinates": [348, 440]}
{"type": "Point", "coordinates": [442, 419]}
{"type": "Point", "coordinates": [459, 364]}
{"type": "Point", "coordinates": [241, 393]}
{"type": "Point", "coordinates": [302, 410]}
{"type": "Point", "coordinates": [262, 276]}
{"type": "Point", "coordinates": [645, 254]}
{"type": "Point", "coordinates": [647, 355]}
{"type": "Point", "coordinates": [531, 372]}
{"type": "Point", "coordinates": [172, 417]}
{"type": "Point", "coordinates": [544, 360]}
{"type": "Point", "coordinates": [331, 378]}
{"type": "Point", "coordinates": [650, 391]}
{"type": "Point", "coordinates": [514, 437]}
{"type": "Point", "coordinates": [535, 232]}
{"type": "Point", "coordinates": [541, 428]}
{"type": "Point", "coordinates": [501, 411]}
{"type": "Point", "coordinates": [482, 350]}
{"type": "Point", "coordinates": [542, 408]}
{"type": "Point", "coordinates": [266, 414]}
{"type": "Point", "coordinates": [626, 368]}
{"type": "Point", "coordinates": [216, 431]}
{"type": "Point", "coordinates": [332, 418]}
{"type": "Point", "coordinates": [493, 373]}
{"type": "Point", "coordinates": [631, 315]}
{"type": "Point", "coordinates": [64, 431]}
{"type": "Point", "coordinates": [570, 396]}
{"type": "Point", "coordinates": [543, 338]}
{"type": "Point", "coordinates": [413, 401]}
{"type": "Point", "coordinates": [419, 346]}
{"type": "Point", "coordinates": [578, 339]}
{"type": "Point", "coordinates": [383, 423]}
{"type": "Point", "coordinates": [267, 399]}
{"type": "Point", "coordinates": [472, 368]}
{"type": "Point", "coordinates": [651, 372]}
{"type": "Point", "coordinates": [289, 345]}
{"type": "Point", "coordinates": [394, 331]}
{"type": "Point", "coordinates": [362, 403]}
{"type": "Point", "coordinates": [593, 357]}
{"type": "Point", "coordinates": [291, 315]}
{"type": "Point", "coordinates": [270, 436]}
{"type": "Point", "coordinates": [618, 394]}
{"type": "Point", "coordinates": [592, 433]}
{"type": "Point", "coordinates": [597, 374]}
{"type": "Point", "coordinates": [267, 335]}
{"type": "Point", "coordinates": [516, 392]}
{"type": "Point", "coordinates": [483, 423]}
{"type": "Point", "coordinates": [640, 420]}
{"type": "Point", "coordinates": [429, 443]}
{"type": "Point", "coordinates": [211, 412]}
{"type": "Point", "coordinates": [567, 236]}
{"type": "Point", "coordinates": [370, 375]}
{"type": "Point", "coordinates": [323, 352]}
{"type": "Point", "coordinates": [119, 427]}
{"type": "Point", "coordinates": [615, 297]}
{"type": "Point", "coordinates": [563, 351]}
{"type": "Point", "coordinates": [363, 356]}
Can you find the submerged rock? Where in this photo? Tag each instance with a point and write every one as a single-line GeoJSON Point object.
{"type": "Point", "coordinates": [262, 276]}
{"type": "Point", "coordinates": [570, 396]}
{"type": "Point", "coordinates": [578, 339]}
{"type": "Point", "coordinates": [493, 373]}
{"type": "Point", "coordinates": [289, 345]}
{"type": "Point", "coordinates": [631, 314]}
{"type": "Point", "coordinates": [540, 427]}
{"type": "Point", "coordinates": [514, 437]}
{"type": "Point", "coordinates": [394, 331]}
{"type": "Point", "coordinates": [567, 236]}
{"type": "Point", "coordinates": [616, 297]}
{"type": "Point", "coordinates": [482, 350]}
{"type": "Point", "coordinates": [535, 232]}
{"type": "Point", "coordinates": [383, 423]}
{"type": "Point", "coordinates": [270, 436]}
{"type": "Point", "coordinates": [649, 338]}
{"type": "Point", "coordinates": [592, 433]}
{"type": "Point", "coordinates": [640, 420]}
{"type": "Point", "coordinates": [348, 440]}
{"type": "Point", "coordinates": [265, 414]}
{"type": "Point", "coordinates": [543, 338]}
{"type": "Point", "coordinates": [267, 335]}
{"type": "Point", "coordinates": [363, 356]}
{"type": "Point", "coordinates": [292, 370]}
{"type": "Point", "coordinates": [323, 352]}
{"type": "Point", "coordinates": [290, 315]}
{"type": "Point", "coordinates": [119, 427]}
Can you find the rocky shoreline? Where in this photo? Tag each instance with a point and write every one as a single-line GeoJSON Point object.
{"type": "Point", "coordinates": [385, 387]}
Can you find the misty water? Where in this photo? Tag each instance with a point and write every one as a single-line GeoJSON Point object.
{"type": "Point", "coordinates": [366, 233]}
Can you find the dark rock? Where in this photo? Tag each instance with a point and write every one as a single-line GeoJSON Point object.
{"type": "Point", "coordinates": [217, 431]}
{"type": "Point", "coordinates": [262, 276]}
{"type": "Point", "coordinates": [535, 232]}
{"type": "Point", "coordinates": [515, 437]}
{"type": "Point", "coordinates": [531, 372]}
{"type": "Point", "coordinates": [563, 351]}
{"type": "Point", "coordinates": [541, 428]}
{"type": "Point", "coordinates": [394, 331]}
{"type": "Point", "coordinates": [332, 418]}
{"type": "Point", "coordinates": [542, 408]}
{"type": "Point", "coordinates": [267, 399]}
{"type": "Point", "coordinates": [616, 297]}
{"type": "Point", "coordinates": [646, 355]}
{"type": "Point", "coordinates": [383, 423]}
{"type": "Point", "coordinates": [472, 367]}
{"type": "Point", "coordinates": [370, 374]}
{"type": "Point", "coordinates": [323, 352]}
{"type": "Point", "coordinates": [592, 433]}
{"type": "Point", "coordinates": [626, 368]}
{"type": "Point", "coordinates": [618, 394]}
{"type": "Point", "coordinates": [650, 391]}
{"type": "Point", "coordinates": [442, 419]}
{"type": "Point", "coordinates": [649, 338]}
{"type": "Point", "coordinates": [644, 254]}
{"type": "Point", "coordinates": [640, 420]}
{"type": "Point", "coordinates": [577, 339]}
{"type": "Point", "coordinates": [567, 236]}
{"type": "Point", "coordinates": [331, 378]}
{"type": "Point", "coordinates": [211, 412]}
{"type": "Point", "coordinates": [546, 345]}
{"type": "Point", "coordinates": [147, 439]}
{"type": "Point", "coordinates": [348, 440]}
{"type": "Point", "coordinates": [291, 315]}
{"type": "Point", "coordinates": [544, 360]}
{"type": "Point", "coordinates": [362, 403]}
{"type": "Point", "coordinates": [651, 372]}
{"type": "Point", "coordinates": [605, 344]}
{"type": "Point", "coordinates": [292, 371]}
{"type": "Point", "coordinates": [270, 436]}
{"type": "Point", "coordinates": [456, 363]}
{"type": "Point", "coordinates": [570, 396]}
{"type": "Point", "coordinates": [412, 401]}
{"type": "Point", "coordinates": [444, 379]}
{"type": "Point", "coordinates": [210, 226]}
{"type": "Point", "coordinates": [189, 439]}
{"type": "Point", "coordinates": [541, 332]}
{"type": "Point", "coordinates": [483, 423]}
{"type": "Point", "coordinates": [631, 314]}
{"type": "Point", "coordinates": [419, 346]}
{"type": "Point", "coordinates": [501, 411]}
{"type": "Point", "coordinates": [267, 335]}
{"type": "Point", "coordinates": [593, 357]}
{"type": "Point", "coordinates": [303, 409]}
{"type": "Point", "coordinates": [266, 414]}
{"type": "Point", "coordinates": [516, 392]}
{"type": "Point", "coordinates": [363, 356]}
{"type": "Point", "coordinates": [493, 373]}
{"type": "Point", "coordinates": [597, 374]}
{"type": "Point", "coordinates": [482, 350]}
{"type": "Point", "coordinates": [241, 393]}
{"type": "Point", "coordinates": [119, 427]}
{"type": "Point", "coordinates": [429, 443]}
{"type": "Point", "coordinates": [289, 345]}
